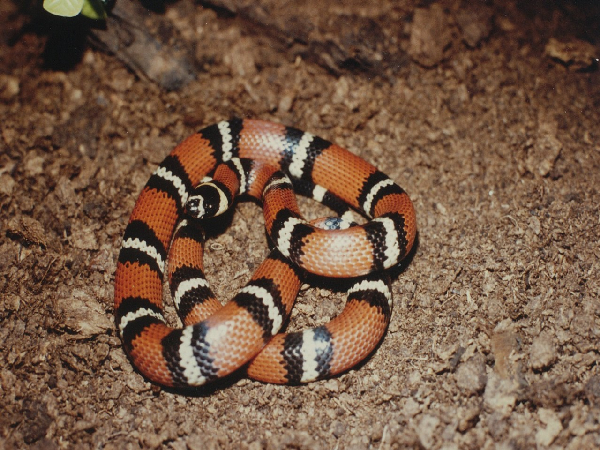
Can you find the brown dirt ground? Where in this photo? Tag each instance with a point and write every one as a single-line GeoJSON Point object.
{"type": "Point", "coordinates": [494, 339]}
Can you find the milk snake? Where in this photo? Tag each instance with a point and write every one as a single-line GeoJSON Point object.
{"type": "Point", "coordinates": [216, 340]}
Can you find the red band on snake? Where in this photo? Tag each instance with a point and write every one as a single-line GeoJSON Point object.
{"type": "Point", "coordinates": [236, 333]}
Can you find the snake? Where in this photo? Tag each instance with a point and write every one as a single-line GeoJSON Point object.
{"type": "Point", "coordinates": [217, 340]}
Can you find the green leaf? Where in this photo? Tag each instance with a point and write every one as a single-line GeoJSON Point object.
{"type": "Point", "coordinates": [94, 9]}
{"type": "Point", "coordinates": [65, 8]}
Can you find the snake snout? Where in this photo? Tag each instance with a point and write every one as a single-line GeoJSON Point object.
{"type": "Point", "coordinates": [195, 207]}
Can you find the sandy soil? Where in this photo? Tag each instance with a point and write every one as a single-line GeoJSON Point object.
{"type": "Point", "coordinates": [493, 131]}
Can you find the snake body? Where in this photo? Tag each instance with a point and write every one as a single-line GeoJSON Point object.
{"type": "Point", "coordinates": [217, 340]}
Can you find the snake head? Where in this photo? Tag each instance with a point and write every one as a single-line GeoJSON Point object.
{"type": "Point", "coordinates": [207, 200]}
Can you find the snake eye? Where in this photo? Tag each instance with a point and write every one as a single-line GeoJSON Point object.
{"type": "Point", "coordinates": [210, 207]}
